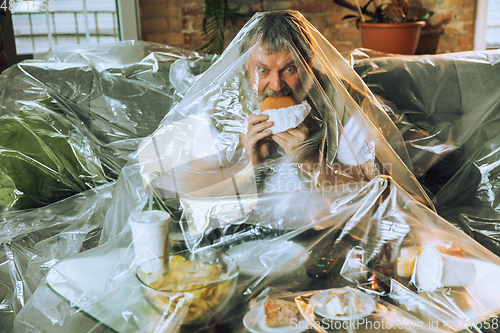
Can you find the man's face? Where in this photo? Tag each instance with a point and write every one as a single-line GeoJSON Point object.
{"type": "Point", "coordinates": [274, 74]}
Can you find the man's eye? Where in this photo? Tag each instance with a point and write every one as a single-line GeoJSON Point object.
{"type": "Point", "coordinates": [290, 69]}
{"type": "Point", "coordinates": [263, 70]}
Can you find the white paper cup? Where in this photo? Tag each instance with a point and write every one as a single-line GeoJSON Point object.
{"type": "Point", "coordinates": [458, 272]}
{"type": "Point", "coordinates": [150, 235]}
{"type": "Point", "coordinates": [436, 270]}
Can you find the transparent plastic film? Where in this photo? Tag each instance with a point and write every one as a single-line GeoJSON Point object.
{"type": "Point", "coordinates": [71, 118]}
{"type": "Point", "coordinates": [69, 121]}
{"type": "Point", "coordinates": [207, 222]}
{"type": "Point", "coordinates": [373, 258]}
{"type": "Point", "coordinates": [437, 102]}
{"type": "Point", "coordinates": [45, 157]}
{"type": "Point", "coordinates": [446, 107]}
{"type": "Point", "coordinates": [394, 264]}
{"type": "Point", "coordinates": [34, 240]}
{"type": "Point", "coordinates": [273, 115]}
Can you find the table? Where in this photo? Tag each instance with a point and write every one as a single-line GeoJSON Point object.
{"type": "Point", "coordinates": [103, 286]}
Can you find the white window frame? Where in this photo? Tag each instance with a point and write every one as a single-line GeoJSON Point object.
{"type": "Point", "coordinates": [128, 11]}
{"type": "Point", "coordinates": [481, 25]}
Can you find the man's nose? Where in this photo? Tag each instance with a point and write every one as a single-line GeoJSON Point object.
{"type": "Point", "coordinates": [275, 82]}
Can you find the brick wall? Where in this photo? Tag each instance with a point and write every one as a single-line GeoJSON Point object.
{"type": "Point", "coordinates": [172, 22]}
{"type": "Point", "coordinates": [451, 28]}
{"type": "Point", "coordinates": [178, 22]}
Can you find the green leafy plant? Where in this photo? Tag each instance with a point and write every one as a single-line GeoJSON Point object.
{"type": "Point", "coordinates": [214, 25]}
{"type": "Point", "coordinates": [393, 11]}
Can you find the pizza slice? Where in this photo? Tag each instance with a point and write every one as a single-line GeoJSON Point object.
{"type": "Point", "coordinates": [280, 312]}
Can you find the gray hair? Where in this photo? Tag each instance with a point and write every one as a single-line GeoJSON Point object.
{"type": "Point", "coordinates": [276, 31]}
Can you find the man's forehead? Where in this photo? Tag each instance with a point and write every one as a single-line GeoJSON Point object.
{"type": "Point", "coordinates": [261, 55]}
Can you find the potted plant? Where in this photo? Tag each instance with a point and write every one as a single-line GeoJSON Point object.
{"type": "Point", "coordinates": [392, 27]}
{"type": "Point", "coordinates": [214, 25]}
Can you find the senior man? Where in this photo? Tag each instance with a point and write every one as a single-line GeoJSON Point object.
{"type": "Point", "coordinates": [210, 137]}
{"type": "Point", "coordinates": [280, 64]}
{"type": "Point", "coordinates": [219, 156]}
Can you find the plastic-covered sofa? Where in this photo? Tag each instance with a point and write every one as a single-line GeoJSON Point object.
{"type": "Point", "coordinates": [68, 123]}
{"type": "Point", "coordinates": [447, 108]}
{"type": "Point", "coordinates": [109, 98]}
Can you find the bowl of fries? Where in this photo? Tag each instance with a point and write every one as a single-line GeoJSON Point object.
{"type": "Point", "coordinates": [192, 286]}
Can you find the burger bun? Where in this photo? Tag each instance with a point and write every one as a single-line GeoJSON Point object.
{"type": "Point", "coordinates": [277, 103]}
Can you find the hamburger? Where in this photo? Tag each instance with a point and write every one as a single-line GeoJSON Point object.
{"type": "Point", "coordinates": [277, 103]}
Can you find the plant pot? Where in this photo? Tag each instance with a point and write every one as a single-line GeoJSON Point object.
{"type": "Point", "coordinates": [399, 38]}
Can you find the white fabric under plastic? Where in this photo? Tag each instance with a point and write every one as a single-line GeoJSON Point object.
{"type": "Point", "coordinates": [362, 150]}
{"type": "Point", "coordinates": [275, 219]}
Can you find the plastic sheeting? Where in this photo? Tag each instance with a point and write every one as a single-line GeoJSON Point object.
{"type": "Point", "coordinates": [100, 101]}
{"type": "Point", "coordinates": [438, 102]}
{"type": "Point", "coordinates": [447, 108]}
{"type": "Point", "coordinates": [336, 228]}
{"type": "Point", "coordinates": [69, 122]}
{"type": "Point", "coordinates": [373, 239]}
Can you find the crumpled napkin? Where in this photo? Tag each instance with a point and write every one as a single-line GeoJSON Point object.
{"type": "Point", "coordinates": [286, 118]}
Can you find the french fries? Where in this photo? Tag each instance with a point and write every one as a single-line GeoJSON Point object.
{"type": "Point", "coordinates": [203, 281]}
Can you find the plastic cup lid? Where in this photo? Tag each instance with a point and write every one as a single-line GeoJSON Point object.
{"type": "Point", "coordinates": [429, 269]}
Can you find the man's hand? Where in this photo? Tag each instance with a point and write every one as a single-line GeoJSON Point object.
{"type": "Point", "coordinates": [291, 139]}
{"type": "Point", "coordinates": [257, 148]}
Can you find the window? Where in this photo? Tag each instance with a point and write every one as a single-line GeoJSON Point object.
{"type": "Point", "coordinates": [493, 24]}
{"type": "Point", "coordinates": [487, 34]}
{"type": "Point", "coordinates": [39, 24]}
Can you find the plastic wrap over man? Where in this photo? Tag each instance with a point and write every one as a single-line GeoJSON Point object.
{"type": "Point", "coordinates": [280, 112]}
{"type": "Point", "coordinates": [280, 79]}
